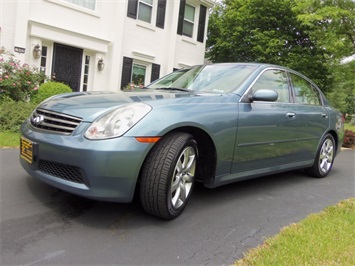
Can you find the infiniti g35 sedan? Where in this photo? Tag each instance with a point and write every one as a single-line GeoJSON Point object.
{"type": "Point", "coordinates": [214, 124]}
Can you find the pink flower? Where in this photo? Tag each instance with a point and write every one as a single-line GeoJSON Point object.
{"type": "Point", "coordinates": [14, 84]}
{"type": "Point", "coordinates": [35, 88]}
{"type": "Point", "coordinates": [0, 78]}
{"type": "Point", "coordinates": [28, 82]}
{"type": "Point", "coordinates": [6, 76]}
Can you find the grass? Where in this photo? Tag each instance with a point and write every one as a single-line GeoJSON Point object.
{"type": "Point", "coordinates": [349, 127]}
{"type": "Point", "coordinates": [9, 139]}
{"type": "Point", "coordinates": [326, 238]}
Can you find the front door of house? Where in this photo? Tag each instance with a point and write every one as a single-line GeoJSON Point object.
{"type": "Point", "coordinates": [67, 62]}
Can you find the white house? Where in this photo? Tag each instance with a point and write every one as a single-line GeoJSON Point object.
{"type": "Point", "coordinates": [104, 45]}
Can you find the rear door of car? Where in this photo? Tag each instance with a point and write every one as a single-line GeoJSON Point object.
{"type": "Point", "coordinates": [312, 116]}
{"type": "Point", "coordinates": [267, 135]}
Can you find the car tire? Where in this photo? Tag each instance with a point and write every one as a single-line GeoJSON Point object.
{"type": "Point", "coordinates": [324, 159]}
{"type": "Point", "coordinates": [168, 175]}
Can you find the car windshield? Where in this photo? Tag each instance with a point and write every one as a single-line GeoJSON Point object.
{"type": "Point", "coordinates": [206, 78]}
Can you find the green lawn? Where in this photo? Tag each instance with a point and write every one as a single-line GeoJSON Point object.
{"type": "Point", "coordinates": [326, 238]}
{"type": "Point", "coordinates": [349, 127]}
{"type": "Point", "coordinates": [9, 139]}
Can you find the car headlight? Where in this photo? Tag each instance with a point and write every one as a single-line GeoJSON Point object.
{"type": "Point", "coordinates": [117, 122]}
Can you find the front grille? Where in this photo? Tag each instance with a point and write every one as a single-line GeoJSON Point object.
{"type": "Point", "coordinates": [54, 122]}
{"type": "Point", "coordinates": [62, 171]}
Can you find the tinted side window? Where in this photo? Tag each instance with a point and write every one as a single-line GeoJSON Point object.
{"type": "Point", "coordinates": [304, 91]}
{"type": "Point", "coordinates": [274, 80]}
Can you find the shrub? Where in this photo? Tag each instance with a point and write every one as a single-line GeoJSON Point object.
{"type": "Point", "coordinates": [49, 89]}
{"type": "Point", "coordinates": [17, 81]}
{"type": "Point", "coordinates": [349, 139]}
{"type": "Point", "coordinates": [13, 114]}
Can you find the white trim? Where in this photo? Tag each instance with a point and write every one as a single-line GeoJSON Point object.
{"type": "Point", "coordinates": [48, 32]}
{"type": "Point", "coordinates": [182, 65]}
{"type": "Point", "coordinates": [146, 25]}
{"type": "Point", "coordinates": [141, 56]}
{"type": "Point", "coordinates": [188, 40]}
{"type": "Point", "coordinates": [78, 7]}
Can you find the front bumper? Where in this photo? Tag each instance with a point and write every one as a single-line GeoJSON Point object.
{"type": "Point", "coordinates": [102, 169]}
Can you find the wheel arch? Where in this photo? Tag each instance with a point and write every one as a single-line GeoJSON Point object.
{"type": "Point", "coordinates": [207, 154]}
{"type": "Point", "coordinates": [336, 139]}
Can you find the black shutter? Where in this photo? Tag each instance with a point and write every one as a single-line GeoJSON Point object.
{"type": "Point", "coordinates": [155, 72]}
{"type": "Point", "coordinates": [126, 71]}
{"type": "Point", "coordinates": [161, 13]}
{"type": "Point", "coordinates": [181, 16]}
{"type": "Point", "coordinates": [201, 24]}
{"type": "Point", "coordinates": [132, 8]}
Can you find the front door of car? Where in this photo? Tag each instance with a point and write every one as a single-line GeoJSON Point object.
{"type": "Point", "coordinates": [267, 131]}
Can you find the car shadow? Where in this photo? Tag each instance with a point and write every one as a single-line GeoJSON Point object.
{"type": "Point", "coordinates": [69, 208]}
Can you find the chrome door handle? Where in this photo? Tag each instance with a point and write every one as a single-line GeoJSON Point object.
{"type": "Point", "coordinates": [324, 115]}
{"type": "Point", "coordinates": [291, 115]}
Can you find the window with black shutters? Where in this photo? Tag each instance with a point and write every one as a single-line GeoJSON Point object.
{"type": "Point", "coordinates": [202, 24]}
{"type": "Point", "coordinates": [188, 20]}
{"type": "Point", "coordinates": [126, 71]}
{"type": "Point", "coordinates": [161, 14]}
{"type": "Point", "coordinates": [155, 72]}
{"type": "Point", "coordinates": [135, 73]}
{"type": "Point", "coordinates": [143, 10]}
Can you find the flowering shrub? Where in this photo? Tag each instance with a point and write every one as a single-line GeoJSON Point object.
{"type": "Point", "coordinates": [17, 81]}
{"type": "Point", "coordinates": [133, 87]}
{"type": "Point", "coordinates": [349, 139]}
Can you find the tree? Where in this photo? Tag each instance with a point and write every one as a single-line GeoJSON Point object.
{"type": "Point", "coordinates": [331, 23]}
{"type": "Point", "coordinates": [342, 95]}
{"type": "Point", "coordinates": [265, 31]}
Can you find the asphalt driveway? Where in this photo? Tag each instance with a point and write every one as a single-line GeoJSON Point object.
{"type": "Point", "coordinates": [40, 225]}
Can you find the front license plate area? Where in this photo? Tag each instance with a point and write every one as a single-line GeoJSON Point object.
{"type": "Point", "coordinates": [26, 149]}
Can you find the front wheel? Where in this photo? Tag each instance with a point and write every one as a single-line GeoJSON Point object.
{"type": "Point", "coordinates": [168, 175]}
{"type": "Point", "coordinates": [324, 159]}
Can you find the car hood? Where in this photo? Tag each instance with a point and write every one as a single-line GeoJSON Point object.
{"type": "Point", "coordinates": [90, 105]}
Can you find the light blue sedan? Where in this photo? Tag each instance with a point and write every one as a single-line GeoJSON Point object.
{"type": "Point", "coordinates": [213, 124]}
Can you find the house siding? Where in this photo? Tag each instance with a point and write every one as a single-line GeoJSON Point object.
{"type": "Point", "coordinates": [110, 32]}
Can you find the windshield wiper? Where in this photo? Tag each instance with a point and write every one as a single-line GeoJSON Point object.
{"type": "Point", "coordinates": [173, 89]}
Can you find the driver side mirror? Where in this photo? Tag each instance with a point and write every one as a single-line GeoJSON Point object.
{"type": "Point", "coordinates": [264, 95]}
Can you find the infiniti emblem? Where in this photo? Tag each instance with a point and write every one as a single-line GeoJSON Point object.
{"type": "Point", "coordinates": [37, 120]}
